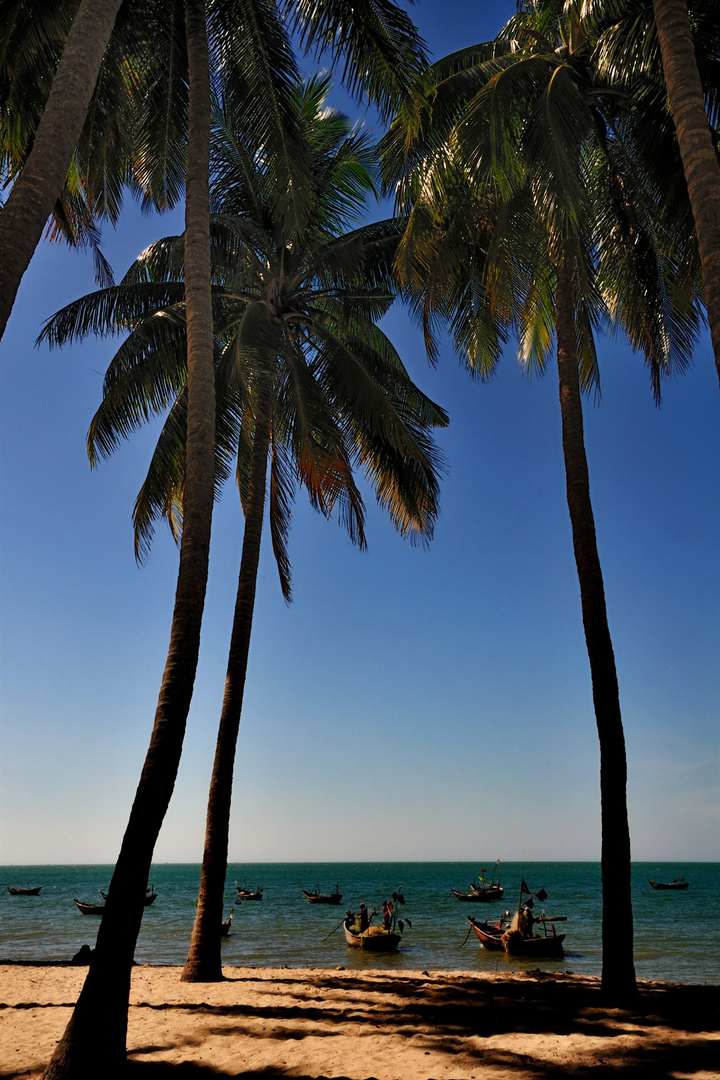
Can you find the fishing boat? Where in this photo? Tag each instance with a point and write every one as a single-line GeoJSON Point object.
{"type": "Point", "coordinates": [89, 909]}
{"type": "Point", "coordinates": [373, 939]}
{"type": "Point", "coordinates": [225, 926]}
{"type": "Point", "coordinates": [468, 896]}
{"type": "Point", "coordinates": [485, 891]}
{"type": "Point", "coordinates": [249, 894]}
{"type": "Point", "coordinates": [150, 897]}
{"type": "Point", "coordinates": [677, 883]}
{"type": "Point", "coordinates": [24, 892]}
{"type": "Point", "coordinates": [518, 937]}
{"type": "Point", "coordinates": [477, 894]}
{"type": "Point", "coordinates": [322, 898]}
{"type": "Point", "coordinates": [499, 938]}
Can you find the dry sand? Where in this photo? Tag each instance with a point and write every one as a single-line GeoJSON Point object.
{"type": "Point", "coordinates": [390, 1025]}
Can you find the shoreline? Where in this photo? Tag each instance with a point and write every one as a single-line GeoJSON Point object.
{"type": "Point", "coordinates": [334, 1022]}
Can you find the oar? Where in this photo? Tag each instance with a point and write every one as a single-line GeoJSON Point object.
{"type": "Point", "coordinates": [333, 931]}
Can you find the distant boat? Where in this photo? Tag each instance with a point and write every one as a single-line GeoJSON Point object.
{"type": "Point", "coordinates": [478, 895]}
{"type": "Point", "coordinates": [485, 891]}
{"type": "Point", "coordinates": [24, 892]}
{"type": "Point", "coordinates": [150, 897]}
{"type": "Point", "coordinates": [488, 892]}
{"type": "Point", "coordinates": [225, 926]}
{"type": "Point", "coordinates": [677, 883]}
{"type": "Point", "coordinates": [322, 898]}
{"type": "Point", "coordinates": [249, 894]}
{"type": "Point", "coordinates": [89, 909]}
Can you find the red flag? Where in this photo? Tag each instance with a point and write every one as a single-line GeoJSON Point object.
{"type": "Point", "coordinates": [483, 870]}
{"type": "Point", "coordinates": [541, 896]}
{"type": "Point", "coordinates": [523, 887]}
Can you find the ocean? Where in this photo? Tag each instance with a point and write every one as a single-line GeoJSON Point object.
{"type": "Point", "coordinates": [674, 931]}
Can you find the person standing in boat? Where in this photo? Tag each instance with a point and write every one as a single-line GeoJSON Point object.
{"type": "Point", "coordinates": [364, 918]}
{"type": "Point", "coordinates": [525, 922]}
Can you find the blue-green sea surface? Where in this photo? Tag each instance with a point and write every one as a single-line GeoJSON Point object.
{"type": "Point", "coordinates": [674, 931]}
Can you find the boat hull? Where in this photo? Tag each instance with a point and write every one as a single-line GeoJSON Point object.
{"type": "Point", "coordinates": [488, 893]}
{"type": "Point", "coordinates": [514, 944]}
{"type": "Point", "coordinates": [322, 898]}
{"type": "Point", "coordinates": [481, 896]}
{"type": "Point", "coordinates": [89, 909]}
{"type": "Point", "coordinates": [377, 942]}
{"type": "Point", "coordinates": [24, 892]}
{"type": "Point", "coordinates": [675, 886]}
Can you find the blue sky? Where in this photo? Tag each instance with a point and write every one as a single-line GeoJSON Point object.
{"type": "Point", "coordinates": [410, 703]}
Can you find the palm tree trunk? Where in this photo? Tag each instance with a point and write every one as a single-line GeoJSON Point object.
{"type": "Point", "coordinates": [41, 180]}
{"type": "Point", "coordinates": [204, 962]}
{"type": "Point", "coordinates": [618, 971]}
{"type": "Point", "coordinates": [94, 1041]}
{"type": "Point", "coordinates": [700, 161]}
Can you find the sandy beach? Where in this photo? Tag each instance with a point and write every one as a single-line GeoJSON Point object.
{"type": "Point", "coordinates": [320, 1023]}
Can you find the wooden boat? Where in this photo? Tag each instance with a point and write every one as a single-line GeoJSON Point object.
{"type": "Point", "coordinates": [478, 894]}
{"type": "Point", "coordinates": [225, 926]}
{"type": "Point", "coordinates": [150, 897]}
{"type": "Point", "coordinates": [468, 896]}
{"type": "Point", "coordinates": [249, 894]}
{"type": "Point", "coordinates": [24, 892]}
{"type": "Point", "coordinates": [498, 938]}
{"type": "Point", "coordinates": [322, 898]}
{"type": "Point", "coordinates": [487, 892]}
{"type": "Point", "coordinates": [374, 939]}
{"type": "Point", "coordinates": [89, 909]}
{"type": "Point", "coordinates": [677, 883]}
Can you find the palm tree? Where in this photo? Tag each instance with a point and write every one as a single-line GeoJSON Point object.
{"type": "Point", "coordinates": [385, 42]}
{"type": "Point", "coordinates": [532, 211]}
{"type": "Point", "coordinates": [329, 361]}
{"type": "Point", "coordinates": [672, 46]}
{"type": "Point", "coordinates": [697, 148]}
{"type": "Point", "coordinates": [305, 377]}
{"type": "Point", "coordinates": [45, 169]}
{"type": "Point", "coordinates": [98, 1025]}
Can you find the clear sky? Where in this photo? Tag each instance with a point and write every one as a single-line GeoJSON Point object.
{"type": "Point", "coordinates": [410, 704]}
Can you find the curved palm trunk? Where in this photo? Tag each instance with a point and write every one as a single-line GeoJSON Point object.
{"type": "Point", "coordinates": [94, 1042]}
{"type": "Point", "coordinates": [618, 971]}
{"type": "Point", "coordinates": [41, 180]}
{"type": "Point", "coordinates": [204, 962]}
{"type": "Point", "coordinates": [700, 162]}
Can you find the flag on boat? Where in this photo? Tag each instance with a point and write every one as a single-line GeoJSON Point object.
{"type": "Point", "coordinates": [524, 888]}
{"type": "Point", "coordinates": [541, 896]}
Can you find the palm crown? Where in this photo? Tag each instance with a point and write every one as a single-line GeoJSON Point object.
{"type": "Point", "coordinates": [295, 318]}
{"type": "Point", "coordinates": [528, 153]}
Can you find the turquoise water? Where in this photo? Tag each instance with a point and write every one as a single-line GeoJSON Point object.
{"type": "Point", "coordinates": [675, 932]}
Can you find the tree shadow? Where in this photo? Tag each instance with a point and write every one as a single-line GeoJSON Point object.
{"type": "Point", "coordinates": [451, 1017]}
